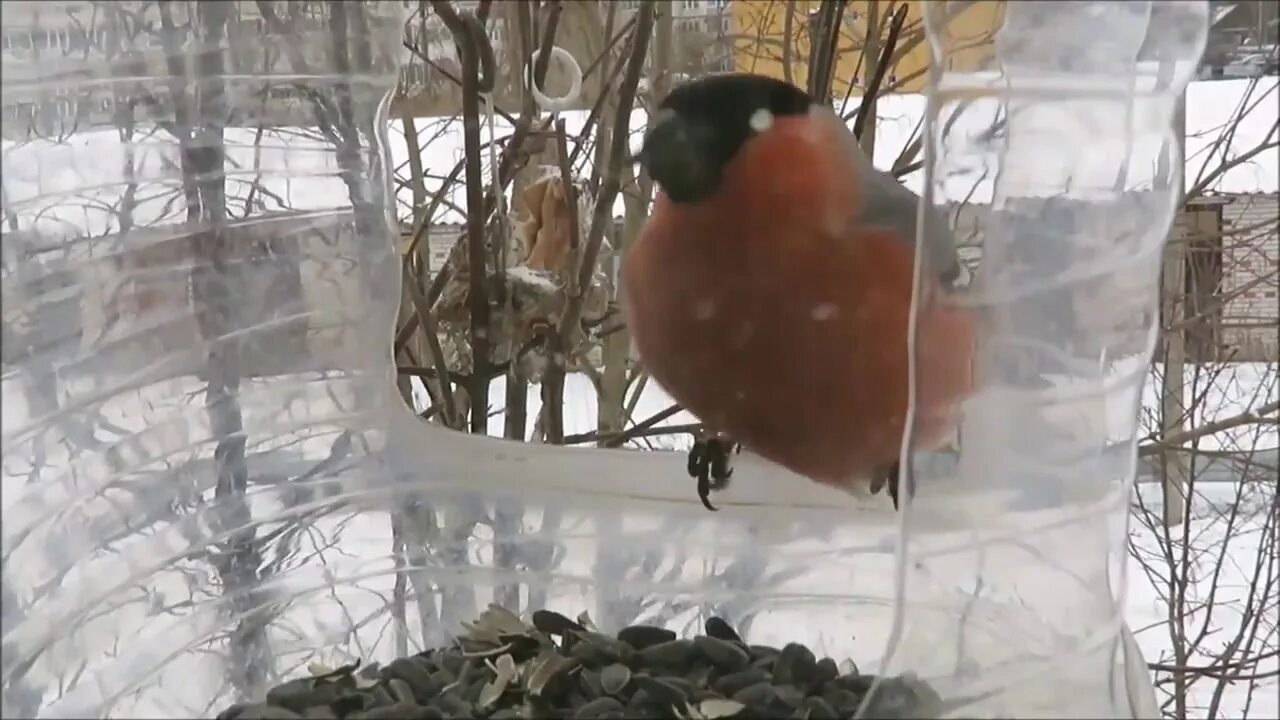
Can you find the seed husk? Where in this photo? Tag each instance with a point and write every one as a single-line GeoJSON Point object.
{"type": "Point", "coordinates": [544, 671]}
{"type": "Point", "coordinates": [615, 678]}
{"type": "Point", "coordinates": [715, 708]}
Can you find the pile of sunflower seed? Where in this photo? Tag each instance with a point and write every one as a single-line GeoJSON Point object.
{"type": "Point", "coordinates": [504, 668]}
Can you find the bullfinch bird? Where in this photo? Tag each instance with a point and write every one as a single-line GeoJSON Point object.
{"type": "Point", "coordinates": [769, 291]}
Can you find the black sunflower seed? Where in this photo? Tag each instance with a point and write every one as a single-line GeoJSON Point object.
{"type": "Point", "coordinates": [646, 671]}
{"type": "Point", "coordinates": [599, 708]}
{"type": "Point", "coordinates": [553, 623]}
{"type": "Point", "coordinates": [762, 693]}
{"type": "Point", "coordinates": [415, 672]}
{"type": "Point", "coordinates": [720, 630]}
{"type": "Point", "coordinates": [731, 683]}
{"type": "Point", "coordinates": [728, 656]}
{"type": "Point", "coordinates": [295, 695]}
{"type": "Point", "coordinates": [824, 671]}
{"type": "Point", "coordinates": [266, 711]}
{"type": "Point", "coordinates": [795, 664]}
{"type": "Point", "coordinates": [820, 709]}
{"type": "Point", "coordinates": [643, 636]}
{"type": "Point", "coordinates": [844, 701]}
{"type": "Point", "coordinates": [670, 654]}
{"type": "Point", "coordinates": [454, 706]}
{"type": "Point", "coordinates": [789, 695]}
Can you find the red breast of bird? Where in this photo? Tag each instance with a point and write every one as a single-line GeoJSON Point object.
{"type": "Point", "coordinates": [770, 290]}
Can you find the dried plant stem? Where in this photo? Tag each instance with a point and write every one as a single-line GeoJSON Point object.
{"type": "Point", "coordinates": [867, 107]}
{"type": "Point", "coordinates": [611, 184]}
{"type": "Point", "coordinates": [824, 38]}
{"type": "Point", "coordinates": [570, 198]}
{"type": "Point", "coordinates": [1256, 416]}
{"type": "Point", "coordinates": [788, 41]}
{"type": "Point", "coordinates": [617, 439]}
{"type": "Point", "coordinates": [557, 341]}
{"type": "Point", "coordinates": [430, 332]}
{"type": "Point", "coordinates": [472, 46]}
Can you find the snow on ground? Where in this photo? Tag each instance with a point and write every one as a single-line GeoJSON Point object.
{"type": "Point", "coordinates": [1147, 609]}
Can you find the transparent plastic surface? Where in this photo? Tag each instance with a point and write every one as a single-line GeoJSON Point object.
{"type": "Point", "coordinates": [210, 479]}
{"type": "Point", "coordinates": [1057, 161]}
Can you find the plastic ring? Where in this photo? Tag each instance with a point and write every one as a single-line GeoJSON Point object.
{"type": "Point", "coordinates": [566, 101]}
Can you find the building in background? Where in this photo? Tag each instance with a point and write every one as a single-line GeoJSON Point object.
{"type": "Point", "coordinates": [1235, 267]}
{"type": "Point", "coordinates": [1244, 40]}
{"type": "Point", "coordinates": [760, 27]}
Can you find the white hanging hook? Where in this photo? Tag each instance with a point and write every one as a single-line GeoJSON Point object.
{"type": "Point", "coordinates": [566, 101]}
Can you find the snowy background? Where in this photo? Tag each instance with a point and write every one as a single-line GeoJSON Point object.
{"type": "Point", "coordinates": [1209, 106]}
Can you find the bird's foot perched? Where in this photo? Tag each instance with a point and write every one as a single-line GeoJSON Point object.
{"type": "Point", "coordinates": [710, 461]}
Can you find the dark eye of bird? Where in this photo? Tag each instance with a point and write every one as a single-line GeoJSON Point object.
{"type": "Point", "coordinates": [726, 103]}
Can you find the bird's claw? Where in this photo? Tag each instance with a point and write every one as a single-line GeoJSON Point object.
{"type": "Point", "coordinates": [709, 463]}
{"type": "Point", "coordinates": [889, 478]}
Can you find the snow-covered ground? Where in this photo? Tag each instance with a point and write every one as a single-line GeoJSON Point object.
{"type": "Point", "coordinates": [1246, 558]}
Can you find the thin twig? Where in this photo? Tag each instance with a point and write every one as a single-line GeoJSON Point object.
{"type": "Point", "coordinates": [617, 439]}
{"type": "Point", "coordinates": [570, 198]}
{"type": "Point", "coordinates": [431, 332]}
{"type": "Point", "coordinates": [882, 67]}
{"type": "Point", "coordinates": [1255, 416]}
{"type": "Point", "coordinates": [603, 215]}
{"type": "Point", "coordinates": [477, 77]}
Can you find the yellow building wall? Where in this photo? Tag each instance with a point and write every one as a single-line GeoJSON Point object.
{"type": "Point", "coordinates": [759, 28]}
